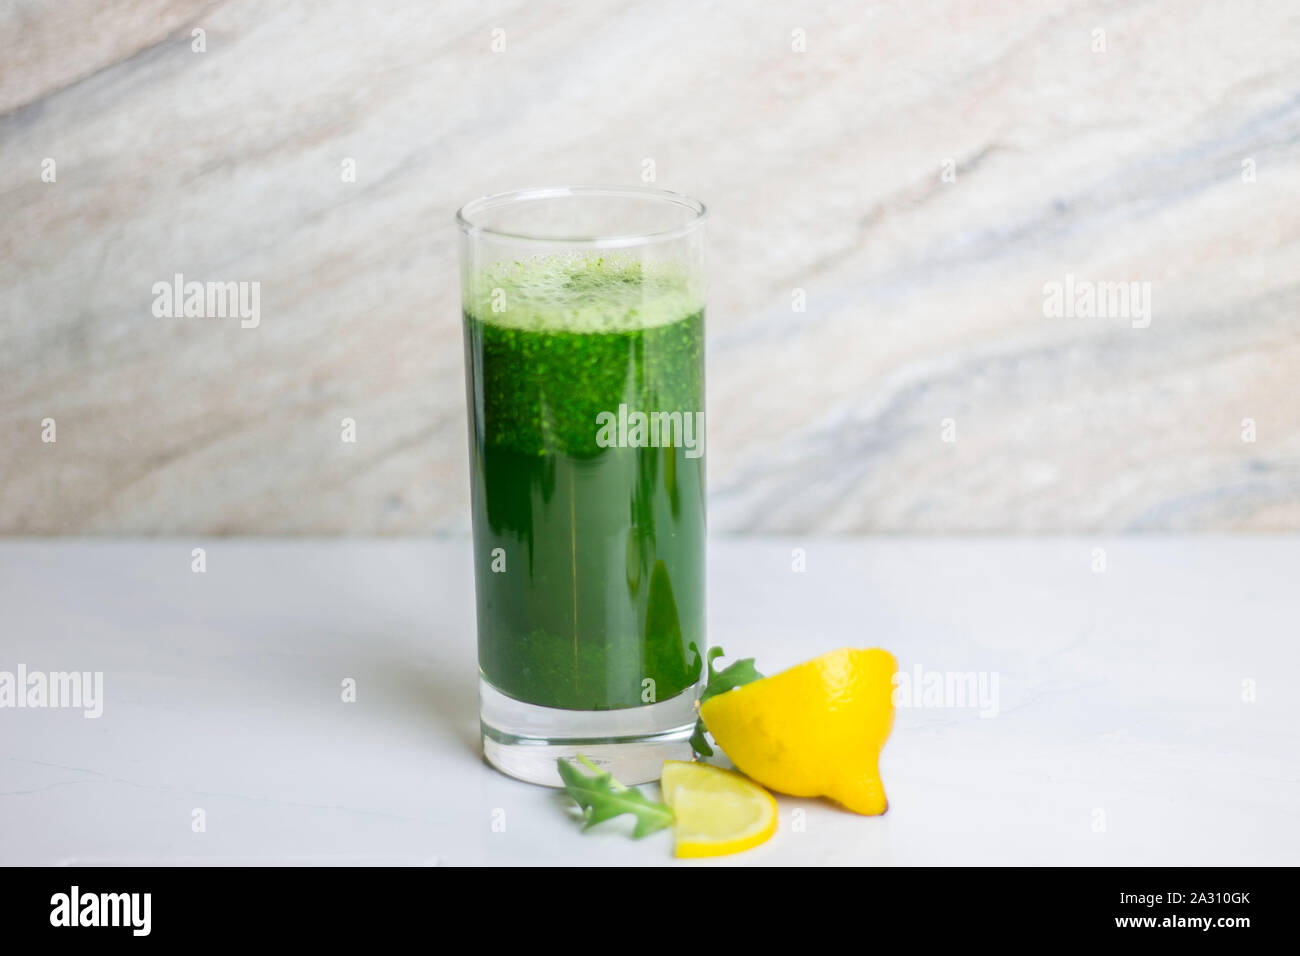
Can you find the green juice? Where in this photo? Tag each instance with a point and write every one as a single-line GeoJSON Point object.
{"type": "Point", "coordinates": [588, 526]}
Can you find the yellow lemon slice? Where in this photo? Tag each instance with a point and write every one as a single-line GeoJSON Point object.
{"type": "Point", "coordinates": [715, 811]}
{"type": "Point", "coordinates": [813, 730]}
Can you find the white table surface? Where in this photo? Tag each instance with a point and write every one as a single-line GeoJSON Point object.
{"type": "Point", "coordinates": [1122, 735]}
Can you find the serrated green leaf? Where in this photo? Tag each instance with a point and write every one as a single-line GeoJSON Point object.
{"type": "Point", "coordinates": [604, 798]}
{"type": "Point", "coordinates": [736, 674]}
{"type": "Point", "coordinates": [700, 742]}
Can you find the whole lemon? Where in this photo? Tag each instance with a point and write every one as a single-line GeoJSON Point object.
{"type": "Point", "coordinates": [814, 730]}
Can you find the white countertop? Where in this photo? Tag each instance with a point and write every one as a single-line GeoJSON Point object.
{"type": "Point", "coordinates": [1122, 735]}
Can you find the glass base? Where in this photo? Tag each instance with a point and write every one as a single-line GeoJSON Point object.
{"type": "Point", "coordinates": [524, 740]}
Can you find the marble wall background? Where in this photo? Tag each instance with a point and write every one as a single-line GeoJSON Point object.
{"type": "Point", "coordinates": [823, 170]}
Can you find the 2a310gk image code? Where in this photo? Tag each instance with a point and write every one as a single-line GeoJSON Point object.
{"type": "Point", "coordinates": [1185, 897]}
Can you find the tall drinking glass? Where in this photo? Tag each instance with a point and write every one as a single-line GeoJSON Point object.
{"type": "Point", "coordinates": [584, 365]}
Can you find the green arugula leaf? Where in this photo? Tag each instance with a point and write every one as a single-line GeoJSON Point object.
{"type": "Point", "coordinates": [603, 798]}
{"type": "Point", "coordinates": [700, 743]}
{"type": "Point", "coordinates": [735, 674]}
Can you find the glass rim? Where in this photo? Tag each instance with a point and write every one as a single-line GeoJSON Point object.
{"type": "Point", "coordinates": [467, 213]}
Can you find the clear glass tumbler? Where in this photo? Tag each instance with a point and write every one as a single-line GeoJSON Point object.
{"type": "Point", "coordinates": [583, 311]}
